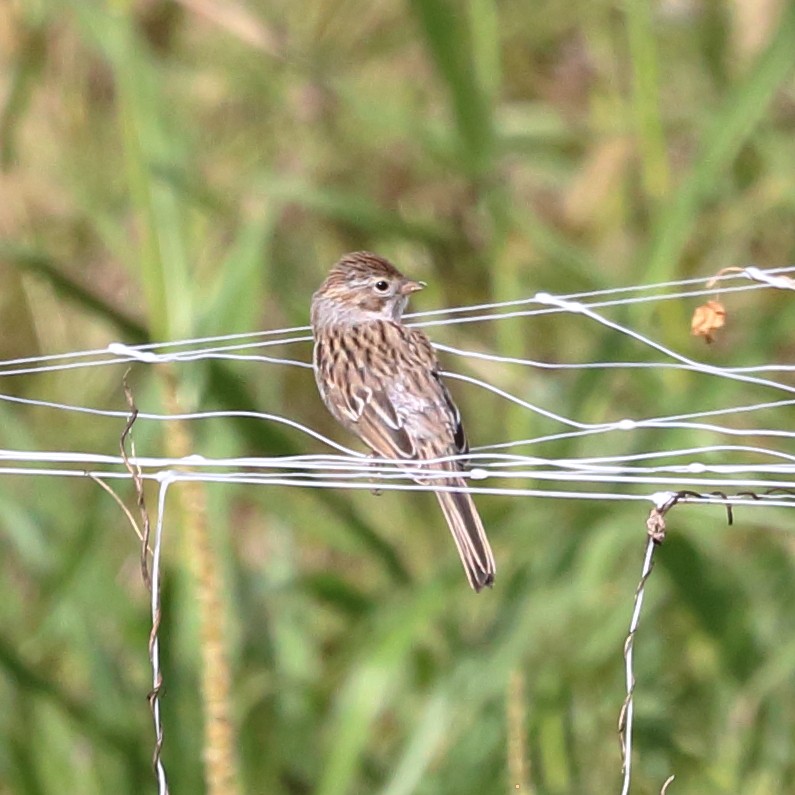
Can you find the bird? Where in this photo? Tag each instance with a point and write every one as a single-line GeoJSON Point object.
{"type": "Point", "coordinates": [381, 380]}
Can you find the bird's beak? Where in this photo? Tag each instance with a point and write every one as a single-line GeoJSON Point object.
{"type": "Point", "coordinates": [408, 287]}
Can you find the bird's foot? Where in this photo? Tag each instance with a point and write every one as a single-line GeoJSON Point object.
{"type": "Point", "coordinates": [375, 491]}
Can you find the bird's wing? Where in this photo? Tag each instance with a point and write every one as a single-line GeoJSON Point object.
{"type": "Point", "coordinates": [403, 409]}
{"type": "Point", "coordinates": [394, 399]}
{"type": "Point", "coordinates": [379, 425]}
{"type": "Point", "coordinates": [356, 391]}
{"type": "Point", "coordinates": [459, 434]}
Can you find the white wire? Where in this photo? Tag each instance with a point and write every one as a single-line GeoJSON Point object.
{"type": "Point", "coordinates": [122, 352]}
{"type": "Point", "coordinates": [753, 466]}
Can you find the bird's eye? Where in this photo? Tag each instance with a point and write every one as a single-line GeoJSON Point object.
{"type": "Point", "coordinates": [382, 286]}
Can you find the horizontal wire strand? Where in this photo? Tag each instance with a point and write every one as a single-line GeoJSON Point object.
{"type": "Point", "coordinates": [768, 469]}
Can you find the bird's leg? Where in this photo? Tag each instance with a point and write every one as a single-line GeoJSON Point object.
{"type": "Point", "coordinates": [375, 491]}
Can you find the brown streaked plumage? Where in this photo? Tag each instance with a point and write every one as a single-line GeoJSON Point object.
{"type": "Point", "coordinates": [380, 379]}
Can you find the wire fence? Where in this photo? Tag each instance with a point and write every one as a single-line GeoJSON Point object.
{"type": "Point", "coordinates": [743, 454]}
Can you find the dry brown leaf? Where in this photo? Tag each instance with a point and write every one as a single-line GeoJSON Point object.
{"type": "Point", "coordinates": [707, 319]}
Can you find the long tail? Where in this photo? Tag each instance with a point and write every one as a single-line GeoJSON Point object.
{"type": "Point", "coordinates": [470, 537]}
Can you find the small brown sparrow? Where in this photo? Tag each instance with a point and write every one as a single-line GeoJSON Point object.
{"type": "Point", "coordinates": [380, 379]}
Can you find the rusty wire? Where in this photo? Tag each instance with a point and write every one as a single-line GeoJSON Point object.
{"type": "Point", "coordinates": [151, 581]}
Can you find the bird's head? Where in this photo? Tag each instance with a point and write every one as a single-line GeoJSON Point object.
{"type": "Point", "coordinates": [362, 287]}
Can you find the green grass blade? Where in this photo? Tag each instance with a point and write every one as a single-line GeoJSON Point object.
{"type": "Point", "coordinates": [740, 113]}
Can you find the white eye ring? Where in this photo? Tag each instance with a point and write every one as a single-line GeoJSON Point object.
{"type": "Point", "coordinates": [382, 285]}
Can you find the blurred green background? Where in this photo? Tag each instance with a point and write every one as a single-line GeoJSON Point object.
{"type": "Point", "coordinates": [193, 168]}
